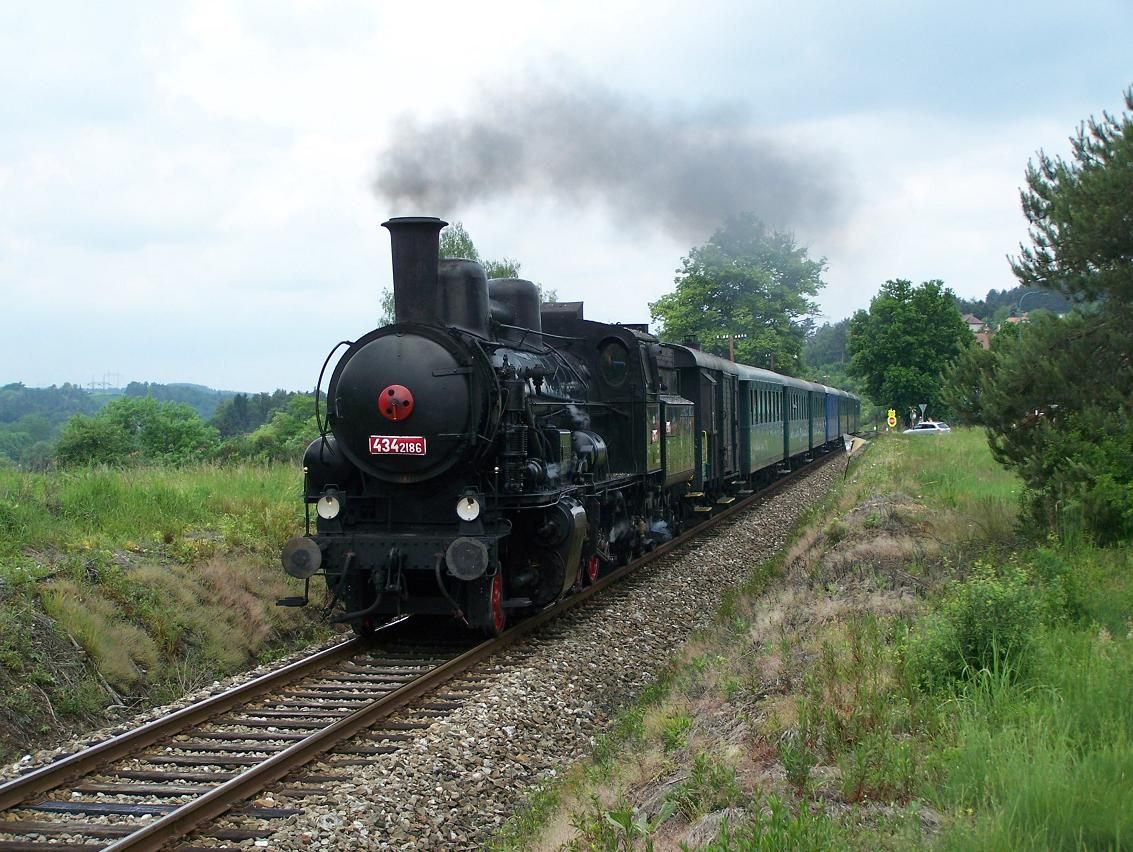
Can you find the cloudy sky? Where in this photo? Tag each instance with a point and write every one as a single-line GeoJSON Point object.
{"type": "Point", "coordinates": [193, 191]}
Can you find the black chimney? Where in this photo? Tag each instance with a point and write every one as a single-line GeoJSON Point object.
{"type": "Point", "coordinates": [415, 244]}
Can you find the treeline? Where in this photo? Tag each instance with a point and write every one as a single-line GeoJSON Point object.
{"type": "Point", "coordinates": [150, 424]}
{"type": "Point", "coordinates": [998, 305]}
{"type": "Point", "coordinates": [204, 400]}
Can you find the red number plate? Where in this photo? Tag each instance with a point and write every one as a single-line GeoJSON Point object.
{"type": "Point", "coordinates": [397, 445]}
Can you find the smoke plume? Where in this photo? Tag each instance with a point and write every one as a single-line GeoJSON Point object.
{"type": "Point", "coordinates": [581, 143]}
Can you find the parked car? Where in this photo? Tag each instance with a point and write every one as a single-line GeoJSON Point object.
{"type": "Point", "coordinates": [928, 427]}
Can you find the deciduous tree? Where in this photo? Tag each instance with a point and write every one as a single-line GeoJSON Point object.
{"type": "Point", "coordinates": [131, 430]}
{"type": "Point", "coordinates": [901, 346]}
{"type": "Point", "coordinates": [456, 242]}
{"type": "Point", "coordinates": [749, 288]}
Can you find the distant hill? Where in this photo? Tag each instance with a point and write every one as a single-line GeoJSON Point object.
{"type": "Point", "coordinates": [203, 400]}
{"type": "Point", "coordinates": [1019, 300]}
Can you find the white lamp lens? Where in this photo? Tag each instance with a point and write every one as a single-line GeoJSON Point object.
{"type": "Point", "coordinates": [328, 507]}
{"type": "Point", "coordinates": [468, 508]}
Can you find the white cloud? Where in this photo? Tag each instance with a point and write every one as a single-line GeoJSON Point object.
{"type": "Point", "coordinates": [184, 188]}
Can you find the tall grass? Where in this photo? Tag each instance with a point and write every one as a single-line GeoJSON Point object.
{"type": "Point", "coordinates": [952, 471]}
{"type": "Point", "coordinates": [166, 577]}
{"type": "Point", "coordinates": [91, 508]}
{"type": "Point", "coordinates": [1047, 761]}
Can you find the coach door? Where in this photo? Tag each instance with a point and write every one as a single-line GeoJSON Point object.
{"type": "Point", "coordinates": [727, 425]}
{"type": "Point", "coordinates": [708, 436]}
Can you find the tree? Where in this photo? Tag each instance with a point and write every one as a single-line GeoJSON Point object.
{"type": "Point", "coordinates": [1079, 213]}
{"type": "Point", "coordinates": [287, 433]}
{"type": "Point", "coordinates": [903, 344]}
{"type": "Point", "coordinates": [827, 345]}
{"type": "Point", "coordinates": [507, 267]}
{"type": "Point", "coordinates": [748, 289]}
{"type": "Point", "coordinates": [1057, 398]}
{"type": "Point", "coordinates": [386, 316]}
{"type": "Point", "coordinates": [93, 440]}
{"type": "Point", "coordinates": [132, 430]}
{"type": "Point", "coordinates": [455, 242]}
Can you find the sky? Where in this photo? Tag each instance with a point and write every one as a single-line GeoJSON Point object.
{"type": "Point", "coordinates": [193, 191]}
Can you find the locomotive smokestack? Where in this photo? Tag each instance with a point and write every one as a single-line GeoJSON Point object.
{"type": "Point", "coordinates": [415, 243]}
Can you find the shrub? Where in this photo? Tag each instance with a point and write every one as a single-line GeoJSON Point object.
{"type": "Point", "coordinates": [987, 622]}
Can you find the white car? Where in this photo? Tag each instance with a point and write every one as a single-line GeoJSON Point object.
{"type": "Point", "coordinates": [928, 428]}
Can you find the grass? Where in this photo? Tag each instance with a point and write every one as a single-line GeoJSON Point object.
{"type": "Point", "coordinates": [164, 578]}
{"type": "Point", "coordinates": [166, 508]}
{"type": "Point", "coordinates": [1046, 761]}
{"type": "Point", "coordinates": [924, 674]}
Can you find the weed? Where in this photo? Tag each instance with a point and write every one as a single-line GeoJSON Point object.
{"type": "Point", "coordinates": [630, 827]}
{"type": "Point", "coordinates": [798, 759]}
{"type": "Point", "coordinates": [835, 532]}
{"type": "Point", "coordinates": [710, 786]}
{"type": "Point", "coordinates": [674, 732]}
{"type": "Point", "coordinates": [628, 727]}
{"type": "Point", "coordinates": [731, 687]}
{"type": "Point", "coordinates": [616, 830]}
{"type": "Point", "coordinates": [775, 828]}
{"type": "Point", "coordinates": [528, 820]}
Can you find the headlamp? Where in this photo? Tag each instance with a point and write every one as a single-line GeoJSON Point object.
{"type": "Point", "coordinates": [468, 508]}
{"type": "Point", "coordinates": [328, 507]}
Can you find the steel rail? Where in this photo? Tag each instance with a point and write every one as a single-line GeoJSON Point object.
{"type": "Point", "coordinates": [52, 775]}
{"type": "Point", "coordinates": [218, 801]}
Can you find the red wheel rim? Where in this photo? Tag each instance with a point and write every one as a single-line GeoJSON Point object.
{"type": "Point", "coordinates": [498, 602]}
{"type": "Point", "coordinates": [592, 569]}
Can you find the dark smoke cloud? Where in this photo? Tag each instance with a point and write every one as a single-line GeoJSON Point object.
{"type": "Point", "coordinates": [581, 143]}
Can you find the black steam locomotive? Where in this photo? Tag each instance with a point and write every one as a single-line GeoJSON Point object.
{"type": "Point", "coordinates": [486, 453]}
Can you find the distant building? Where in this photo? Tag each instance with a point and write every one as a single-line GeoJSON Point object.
{"type": "Point", "coordinates": [980, 329]}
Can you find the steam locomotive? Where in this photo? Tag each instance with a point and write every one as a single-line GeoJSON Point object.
{"type": "Point", "coordinates": [485, 454]}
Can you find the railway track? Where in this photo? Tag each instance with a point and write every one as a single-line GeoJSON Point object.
{"type": "Point", "coordinates": [174, 777]}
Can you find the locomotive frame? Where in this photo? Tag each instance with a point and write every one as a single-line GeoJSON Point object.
{"type": "Point", "coordinates": [485, 454]}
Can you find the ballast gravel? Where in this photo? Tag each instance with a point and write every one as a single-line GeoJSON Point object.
{"type": "Point", "coordinates": [535, 708]}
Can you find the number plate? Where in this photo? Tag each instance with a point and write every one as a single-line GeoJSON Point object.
{"type": "Point", "coordinates": [397, 445]}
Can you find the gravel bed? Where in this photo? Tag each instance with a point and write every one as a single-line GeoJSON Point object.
{"type": "Point", "coordinates": [456, 783]}
{"type": "Point", "coordinates": [536, 708]}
